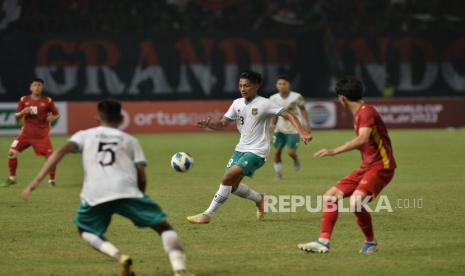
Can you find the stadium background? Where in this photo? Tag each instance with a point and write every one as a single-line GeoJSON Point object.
{"type": "Point", "coordinates": [410, 54]}
{"type": "Point", "coordinates": [174, 61]}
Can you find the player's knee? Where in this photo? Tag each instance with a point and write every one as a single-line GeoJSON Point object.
{"type": "Point", "coordinates": [355, 202]}
{"type": "Point", "coordinates": [162, 227]}
{"type": "Point", "coordinates": [12, 154]}
{"type": "Point", "coordinates": [228, 178]}
{"type": "Point", "coordinates": [329, 198]}
{"type": "Point", "coordinates": [231, 176]}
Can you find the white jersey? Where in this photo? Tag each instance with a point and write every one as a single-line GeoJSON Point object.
{"type": "Point", "coordinates": [293, 102]}
{"type": "Point", "coordinates": [109, 156]}
{"type": "Point", "coordinates": [252, 120]}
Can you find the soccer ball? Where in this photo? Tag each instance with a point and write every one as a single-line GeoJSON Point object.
{"type": "Point", "coordinates": [181, 162]}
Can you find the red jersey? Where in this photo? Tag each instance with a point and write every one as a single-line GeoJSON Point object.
{"type": "Point", "coordinates": [35, 124]}
{"type": "Point", "coordinates": [378, 151]}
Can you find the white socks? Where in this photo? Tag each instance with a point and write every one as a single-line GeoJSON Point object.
{"type": "Point", "coordinates": [171, 244]}
{"type": "Point", "coordinates": [173, 247]}
{"type": "Point", "coordinates": [323, 241]}
{"type": "Point", "coordinates": [277, 167]}
{"type": "Point", "coordinates": [223, 193]}
{"type": "Point", "coordinates": [245, 192]}
{"type": "Point", "coordinates": [103, 246]}
{"type": "Point", "coordinates": [220, 197]}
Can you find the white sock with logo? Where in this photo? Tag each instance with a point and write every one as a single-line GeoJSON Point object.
{"type": "Point", "coordinates": [244, 191]}
{"type": "Point", "coordinates": [220, 197]}
{"type": "Point", "coordinates": [173, 247]}
{"type": "Point", "coordinates": [101, 245]}
{"type": "Point", "coordinates": [277, 167]}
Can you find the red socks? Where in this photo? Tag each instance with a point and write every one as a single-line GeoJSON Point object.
{"type": "Point", "coordinates": [330, 215]}
{"type": "Point", "coordinates": [51, 174]}
{"type": "Point", "coordinates": [364, 221]}
{"type": "Point", "coordinates": [328, 220]}
{"type": "Point", "coordinates": [12, 165]}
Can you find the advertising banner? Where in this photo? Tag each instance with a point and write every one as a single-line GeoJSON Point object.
{"type": "Point", "coordinates": [182, 116]}
{"type": "Point", "coordinates": [322, 114]}
{"type": "Point", "coordinates": [9, 125]}
{"type": "Point", "coordinates": [205, 67]}
{"type": "Point", "coordinates": [156, 116]}
{"type": "Point", "coordinates": [413, 113]}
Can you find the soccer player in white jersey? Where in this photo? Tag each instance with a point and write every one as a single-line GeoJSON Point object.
{"type": "Point", "coordinates": [252, 114]}
{"type": "Point", "coordinates": [114, 183]}
{"type": "Point", "coordinates": [285, 134]}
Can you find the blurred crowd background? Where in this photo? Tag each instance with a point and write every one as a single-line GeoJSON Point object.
{"type": "Point", "coordinates": [234, 16]}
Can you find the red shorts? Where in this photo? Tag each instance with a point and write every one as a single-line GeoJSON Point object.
{"type": "Point", "coordinates": [42, 146]}
{"type": "Point", "coordinates": [368, 180]}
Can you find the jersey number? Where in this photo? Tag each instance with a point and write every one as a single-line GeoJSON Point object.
{"type": "Point", "coordinates": [34, 110]}
{"type": "Point", "coordinates": [107, 149]}
{"type": "Point", "coordinates": [242, 120]}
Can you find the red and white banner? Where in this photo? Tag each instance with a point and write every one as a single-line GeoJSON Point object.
{"type": "Point", "coordinates": [413, 113]}
{"type": "Point", "coordinates": [154, 116]}
{"type": "Point", "coordinates": [182, 116]}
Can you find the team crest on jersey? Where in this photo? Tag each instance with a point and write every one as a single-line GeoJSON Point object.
{"type": "Point", "coordinates": [254, 111]}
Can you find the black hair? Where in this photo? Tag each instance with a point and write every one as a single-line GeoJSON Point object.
{"type": "Point", "coordinates": [283, 77]}
{"type": "Point", "coordinates": [350, 87]}
{"type": "Point", "coordinates": [253, 77]}
{"type": "Point", "coordinates": [37, 80]}
{"type": "Point", "coordinates": [109, 110]}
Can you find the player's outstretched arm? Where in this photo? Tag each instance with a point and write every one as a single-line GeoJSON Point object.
{"type": "Point", "coordinates": [51, 162]}
{"type": "Point", "coordinates": [362, 138]}
{"type": "Point", "coordinates": [23, 112]}
{"type": "Point", "coordinates": [305, 137]}
{"type": "Point", "coordinates": [273, 122]}
{"type": "Point", "coordinates": [141, 177]}
{"type": "Point", "coordinates": [304, 112]}
{"type": "Point", "coordinates": [51, 117]}
{"type": "Point", "coordinates": [215, 125]}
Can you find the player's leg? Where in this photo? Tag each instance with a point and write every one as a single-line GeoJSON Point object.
{"type": "Point", "coordinates": [278, 143]}
{"type": "Point", "coordinates": [51, 175]}
{"type": "Point", "coordinates": [241, 164]}
{"type": "Point", "coordinates": [363, 219]}
{"type": "Point", "coordinates": [371, 184]}
{"type": "Point", "coordinates": [43, 147]}
{"type": "Point", "coordinates": [92, 223]}
{"type": "Point", "coordinates": [230, 180]}
{"type": "Point", "coordinates": [12, 166]}
{"type": "Point", "coordinates": [248, 164]}
{"type": "Point", "coordinates": [292, 142]}
{"type": "Point", "coordinates": [328, 221]}
{"type": "Point", "coordinates": [144, 212]}
{"type": "Point", "coordinates": [343, 188]}
{"type": "Point", "coordinates": [173, 247]}
{"type": "Point", "coordinates": [16, 147]}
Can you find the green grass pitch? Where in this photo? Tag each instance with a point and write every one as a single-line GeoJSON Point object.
{"type": "Point", "coordinates": [38, 238]}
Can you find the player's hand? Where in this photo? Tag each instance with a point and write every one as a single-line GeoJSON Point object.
{"type": "Point", "coordinates": [272, 127]}
{"type": "Point", "coordinates": [50, 117]}
{"type": "Point", "coordinates": [308, 128]}
{"type": "Point", "coordinates": [204, 123]}
{"type": "Point", "coordinates": [26, 110]}
{"type": "Point", "coordinates": [324, 152]}
{"type": "Point", "coordinates": [26, 192]}
{"type": "Point", "coordinates": [305, 137]}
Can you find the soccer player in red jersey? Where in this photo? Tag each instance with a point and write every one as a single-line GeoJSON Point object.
{"type": "Point", "coordinates": [375, 172]}
{"type": "Point", "coordinates": [36, 112]}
